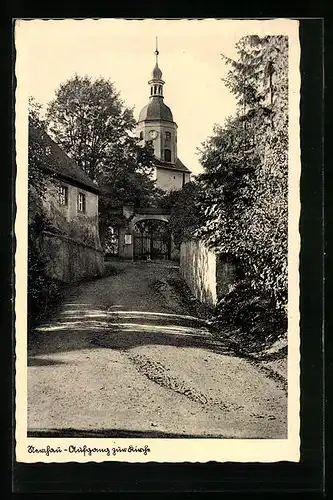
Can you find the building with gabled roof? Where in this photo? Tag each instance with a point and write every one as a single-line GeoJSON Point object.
{"type": "Point", "coordinates": [59, 163]}
{"type": "Point", "coordinates": [70, 239]}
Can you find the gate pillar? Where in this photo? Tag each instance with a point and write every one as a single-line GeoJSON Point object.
{"type": "Point", "coordinates": [126, 242]}
{"type": "Point", "coordinates": [174, 251]}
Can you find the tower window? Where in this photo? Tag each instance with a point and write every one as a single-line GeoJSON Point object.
{"type": "Point", "coordinates": [167, 155]}
{"type": "Point", "coordinates": [167, 136]}
{"type": "Point", "coordinates": [141, 135]}
{"type": "Point", "coordinates": [151, 90]}
{"type": "Point", "coordinates": [155, 89]}
{"type": "Point", "coordinates": [160, 90]}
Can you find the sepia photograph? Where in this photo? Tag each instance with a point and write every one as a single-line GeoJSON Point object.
{"type": "Point", "coordinates": [158, 168]}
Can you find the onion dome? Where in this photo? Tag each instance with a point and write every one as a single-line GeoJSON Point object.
{"type": "Point", "coordinates": [157, 73]}
{"type": "Point", "coordinates": [156, 110]}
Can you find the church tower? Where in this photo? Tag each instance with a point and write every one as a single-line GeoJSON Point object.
{"type": "Point", "coordinates": [156, 125]}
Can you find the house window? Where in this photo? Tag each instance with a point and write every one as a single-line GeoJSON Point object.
{"type": "Point", "coordinates": [141, 135]}
{"type": "Point", "coordinates": [184, 179]}
{"type": "Point", "coordinates": [81, 202]}
{"type": "Point", "coordinates": [167, 136]}
{"type": "Point", "coordinates": [167, 155]}
{"type": "Point", "coordinates": [63, 195]}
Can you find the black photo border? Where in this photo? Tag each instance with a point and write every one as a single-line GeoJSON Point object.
{"type": "Point", "coordinates": [308, 476]}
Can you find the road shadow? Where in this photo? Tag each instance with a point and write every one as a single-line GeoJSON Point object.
{"type": "Point", "coordinates": [112, 433]}
{"type": "Point", "coordinates": [33, 361]}
{"type": "Point", "coordinates": [80, 327]}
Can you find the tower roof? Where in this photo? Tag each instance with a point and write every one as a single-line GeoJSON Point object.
{"type": "Point", "coordinates": [178, 165]}
{"type": "Point", "coordinates": [156, 110]}
{"type": "Point", "coordinates": [157, 73]}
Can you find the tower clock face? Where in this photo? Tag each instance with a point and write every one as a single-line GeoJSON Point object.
{"type": "Point", "coordinates": [153, 134]}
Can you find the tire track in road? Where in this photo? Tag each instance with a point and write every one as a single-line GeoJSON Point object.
{"type": "Point", "coordinates": [158, 373]}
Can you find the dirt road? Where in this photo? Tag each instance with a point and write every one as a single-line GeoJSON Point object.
{"type": "Point", "coordinates": [125, 358]}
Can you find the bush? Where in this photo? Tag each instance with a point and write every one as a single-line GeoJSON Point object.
{"type": "Point", "coordinates": [251, 317]}
{"type": "Point", "coordinates": [44, 293]}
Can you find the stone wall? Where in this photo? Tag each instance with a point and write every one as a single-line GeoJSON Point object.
{"type": "Point", "coordinates": [69, 260]}
{"type": "Point", "coordinates": [198, 268]}
{"type": "Point", "coordinates": [209, 276]}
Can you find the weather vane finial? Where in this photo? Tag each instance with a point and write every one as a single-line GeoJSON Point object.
{"type": "Point", "coordinates": [156, 51]}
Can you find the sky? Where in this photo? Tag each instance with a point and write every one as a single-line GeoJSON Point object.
{"type": "Point", "coordinates": [53, 51]}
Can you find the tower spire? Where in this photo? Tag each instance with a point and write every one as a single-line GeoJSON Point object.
{"type": "Point", "coordinates": [156, 83]}
{"type": "Point", "coordinates": [156, 51]}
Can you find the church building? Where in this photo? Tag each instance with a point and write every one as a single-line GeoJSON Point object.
{"type": "Point", "coordinates": [157, 126]}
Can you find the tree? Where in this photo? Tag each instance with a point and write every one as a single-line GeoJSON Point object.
{"type": "Point", "coordinates": [37, 158]}
{"type": "Point", "coordinates": [244, 187]}
{"type": "Point", "coordinates": [259, 79]}
{"type": "Point", "coordinates": [186, 206]}
{"type": "Point", "coordinates": [90, 122]}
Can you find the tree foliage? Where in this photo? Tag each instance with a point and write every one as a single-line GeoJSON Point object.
{"type": "Point", "coordinates": [91, 123]}
{"type": "Point", "coordinates": [244, 188]}
{"type": "Point", "coordinates": [36, 157]}
{"type": "Point", "coordinates": [186, 210]}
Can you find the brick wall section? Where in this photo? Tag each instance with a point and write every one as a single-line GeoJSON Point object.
{"type": "Point", "coordinates": [198, 268]}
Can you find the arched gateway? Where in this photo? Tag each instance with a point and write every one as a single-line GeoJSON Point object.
{"type": "Point", "coordinates": [147, 235]}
